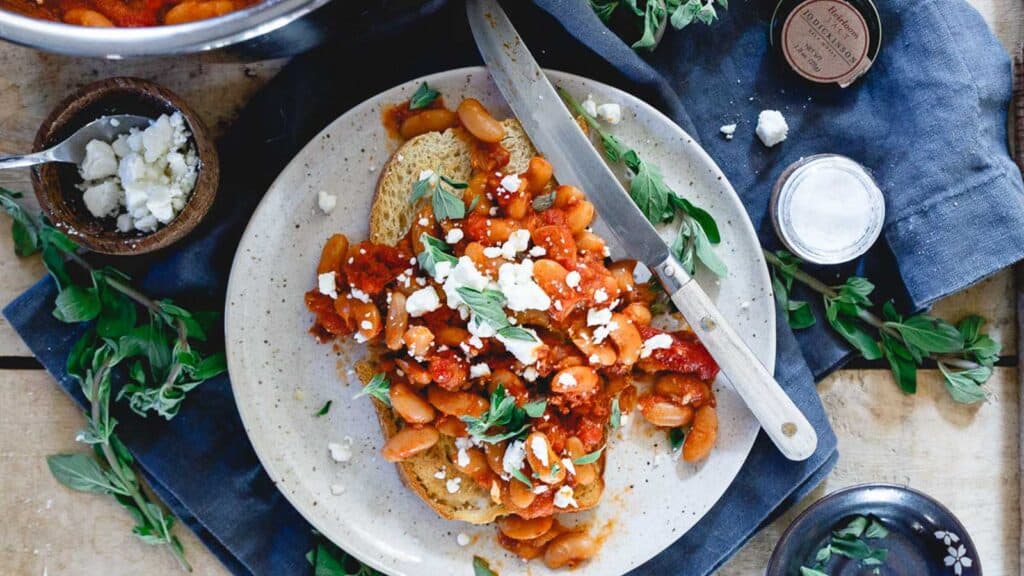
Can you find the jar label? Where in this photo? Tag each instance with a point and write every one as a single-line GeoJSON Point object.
{"type": "Point", "coordinates": [826, 41]}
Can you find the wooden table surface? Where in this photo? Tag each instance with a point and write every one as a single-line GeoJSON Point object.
{"type": "Point", "coordinates": [967, 457]}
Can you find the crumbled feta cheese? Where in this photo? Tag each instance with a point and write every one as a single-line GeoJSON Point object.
{"type": "Point", "coordinates": [594, 359]}
{"type": "Point", "coordinates": [599, 316]}
{"type": "Point", "coordinates": [462, 539]}
{"type": "Point", "coordinates": [103, 199]}
{"type": "Point", "coordinates": [150, 172]}
{"type": "Point", "coordinates": [540, 488]}
{"type": "Point", "coordinates": [516, 243]}
{"type": "Point", "coordinates": [539, 447]}
{"type": "Point", "coordinates": [453, 485]}
{"type": "Point", "coordinates": [567, 380]}
{"type": "Point", "coordinates": [610, 113]}
{"type": "Point", "coordinates": [462, 458]}
{"type": "Point", "coordinates": [565, 498]}
{"type": "Point", "coordinates": [476, 342]}
{"type": "Point", "coordinates": [525, 351]}
{"type": "Point", "coordinates": [479, 370]}
{"type": "Point", "coordinates": [327, 284]}
{"type": "Point", "coordinates": [441, 473]}
{"type": "Point", "coordinates": [366, 325]}
{"type": "Point", "coordinates": [602, 332]}
{"type": "Point", "coordinates": [538, 251]}
{"type": "Point", "coordinates": [569, 466]}
{"type": "Point", "coordinates": [572, 279]}
{"type": "Point", "coordinates": [521, 291]}
{"type": "Point", "coordinates": [771, 127]}
{"type": "Point", "coordinates": [511, 182]}
{"type": "Point", "coordinates": [656, 342]}
{"type": "Point", "coordinates": [492, 252]}
{"type": "Point", "coordinates": [423, 222]}
{"type": "Point", "coordinates": [641, 273]}
{"type": "Point", "coordinates": [530, 374]}
{"type": "Point", "coordinates": [600, 295]}
{"type": "Point", "coordinates": [341, 451]}
{"type": "Point", "coordinates": [100, 161]}
{"type": "Point", "coordinates": [360, 295]}
{"type": "Point", "coordinates": [337, 489]}
{"type": "Point", "coordinates": [589, 105]}
{"type": "Point", "coordinates": [479, 328]}
{"type": "Point", "coordinates": [514, 456]}
{"type": "Point", "coordinates": [422, 301]}
{"type": "Point", "coordinates": [728, 131]}
{"type": "Point", "coordinates": [326, 202]}
{"type": "Point", "coordinates": [454, 236]}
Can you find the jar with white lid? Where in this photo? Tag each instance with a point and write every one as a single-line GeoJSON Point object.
{"type": "Point", "coordinates": [827, 209]}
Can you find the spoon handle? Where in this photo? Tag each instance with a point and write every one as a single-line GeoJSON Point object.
{"type": "Point", "coordinates": [26, 160]}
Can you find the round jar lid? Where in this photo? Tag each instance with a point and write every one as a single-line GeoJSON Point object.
{"type": "Point", "coordinates": [827, 209]}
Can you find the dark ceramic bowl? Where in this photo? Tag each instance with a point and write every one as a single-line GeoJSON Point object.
{"type": "Point", "coordinates": [55, 183]}
{"type": "Point", "coordinates": [925, 539]}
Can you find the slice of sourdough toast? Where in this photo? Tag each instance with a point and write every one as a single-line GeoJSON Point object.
{"type": "Point", "coordinates": [390, 219]}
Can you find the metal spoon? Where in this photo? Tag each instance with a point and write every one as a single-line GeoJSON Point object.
{"type": "Point", "coordinates": [105, 128]}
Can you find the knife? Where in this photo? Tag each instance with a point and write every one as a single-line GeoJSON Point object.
{"type": "Point", "coordinates": [555, 133]}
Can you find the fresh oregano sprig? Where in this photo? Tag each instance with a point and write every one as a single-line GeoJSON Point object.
{"type": "Point", "coordinates": [147, 345]}
{"type": "Point", "coordinates": [698, 232]}
{"type": "Point", "coordinates": [964, 354]}
{"type": "Point", "coordinates": [851, 542]}
{"type": "Point", "coordinates": [329, 560]}
{"type": "Point", "coordinates": [652, 16]}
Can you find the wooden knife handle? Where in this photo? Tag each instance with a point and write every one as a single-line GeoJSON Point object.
{"type": "Point", "coordinates": [784, 423]}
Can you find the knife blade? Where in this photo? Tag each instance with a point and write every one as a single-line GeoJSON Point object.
{"type": "Point", "coordinates": [556, 135]}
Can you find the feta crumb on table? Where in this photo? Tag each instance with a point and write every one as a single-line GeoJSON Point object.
{"type": "Point", "coordinates": [771, 127]}
{"type": "Point", "coordinates": [728, 130]}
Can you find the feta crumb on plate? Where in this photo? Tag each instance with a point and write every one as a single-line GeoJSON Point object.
{"type": "Point", "coordinates": [326, 202]}
{"type": "Point", "coordinates": [610, 113]}
{"type": "Point", "coordinates": [462, 539]}
{"type": "Point", "coordinates": [771, 127]}
{"type": "Point", "coordinates": [143, 178]}
{"type": "Point", "coordinates": [341, 451]}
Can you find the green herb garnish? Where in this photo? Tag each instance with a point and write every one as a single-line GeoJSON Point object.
{"type": "Point", "coordinates": [153, 347]}
{"type": "Point", "coordinates": [487, 306]}
{"type": "Point", "coordinates": [589, 458]}
{"type": "Point", "coordinates": [444, 202]}
{"type": "Point", "coordinates": [324, 409]}
{"type": "Point", "coordinates": [518, 475]}
{"type": "Point", "coordinates": [329, 560]}
{"type": "Point", "coordinates": [503, 412]}
{"type": "Point", "coordinates": [434, 251]}
{"type": "Point", "coordinates": [615, 420]}
{"type": "Point", "coordinates": [378, 387]}
{"type": "Point", "coordinates": [698, 231]}
{"type": "Point", "coordinates": [544, 201]}
{"type": "Point", "coordinates": [653, 15]}
{"type": "Point", "coordinates": [850, 542]}
{"type": "Point", "coordinates": [423, 97]}
{"type": "Point", "coordinates": [482, 568]}
{"type": "Point", "coordinates": [964, 354]}
{"type": "Point", "coordinates": [676, 436]}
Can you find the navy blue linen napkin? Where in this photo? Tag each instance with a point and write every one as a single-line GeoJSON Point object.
{"type": "Point", "coordinates": [201, 463]}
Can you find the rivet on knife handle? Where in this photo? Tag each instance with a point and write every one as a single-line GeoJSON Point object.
{"type": "Point", "coordinates": [781, 419]}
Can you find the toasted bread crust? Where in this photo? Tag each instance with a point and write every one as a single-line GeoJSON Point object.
{"type": "Point", "coordinates": [390, 219]}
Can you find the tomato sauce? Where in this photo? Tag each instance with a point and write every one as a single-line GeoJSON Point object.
{"type": "Point", "coordinates": [124, 13]}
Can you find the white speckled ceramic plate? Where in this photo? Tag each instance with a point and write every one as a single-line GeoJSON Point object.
{"type": "Point", "coordinates": [281, 376]}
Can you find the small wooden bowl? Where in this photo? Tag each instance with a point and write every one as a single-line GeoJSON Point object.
{"type": "Point", "coordinates": [55, 183]}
